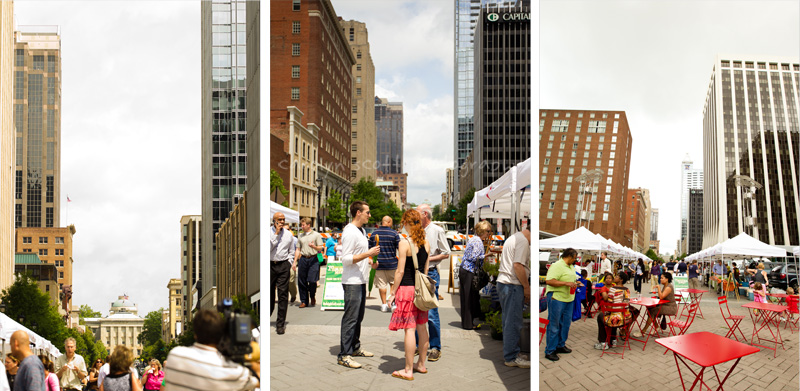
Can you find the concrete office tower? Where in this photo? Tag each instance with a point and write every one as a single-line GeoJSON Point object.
{"type": "Point", "coordinates": [254, 153]}
{"type": "Point", "coordinates": [751, 133]}
{"type": "Point", "coordinates": [174, 324]}
{"type": "Point", "coordinates": [389, 128]}
{"type": "Point", "coordinates": [691, 178]}
{"type": "Point", "coordinates": [311, 78]}
{"type": "Point", "coordinates": [449, 188]}
{"type": "Point", "coordinates": [694, 234]}
{"type": "Point", "coordinates": [466, 16]}
{"type": "Point", "coordinates": [37, 119]}
{"type": "Point", "coordinates": [362, 119]}
{"type": "Point", "coordinates": [502, 96]}
{"type": "Point", "coordinates": [223, 127]}
{"type": "Point", "coordinates": [574, 142]}
{"type": "Point", "coordinates": [232, 255]}
{"type": "Point", "coordinates": [191, 272]}
{"type": "Point", "coordinates": [653, 224]}
{"type": "Point", "coordinates": [7, 139]}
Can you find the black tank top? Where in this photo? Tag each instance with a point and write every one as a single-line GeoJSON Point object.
{"type": "Point", "coordinates": [408, 272]}
{"type": "Point", "coordinates": [759, 277]}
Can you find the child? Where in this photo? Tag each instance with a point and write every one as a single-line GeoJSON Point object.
{"type": "Point", "coordinates": [792, 311]}
{"type": "Point", "coordinates": [759, 294]}
{"type": "Point", "coordinates": [585, 293]}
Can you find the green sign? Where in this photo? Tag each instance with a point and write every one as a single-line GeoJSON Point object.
{"type": "Point", "coordinates": [681, 282]}
{"type": "Point", "coordinates": [333, 291]}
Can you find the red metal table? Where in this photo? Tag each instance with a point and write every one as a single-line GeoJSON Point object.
{"type": "Point", "coordinates": [781, 296]}
{"type": "Point", "coordinates": [646, 302]}
{"type": "Point", "coordinates": [699, 293]}
{"type": "Point", "coordinates": [706, 350]}
{"type": "Point", "coordinates": [769, 315]}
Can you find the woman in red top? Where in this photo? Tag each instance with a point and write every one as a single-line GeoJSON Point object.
{"type": "Point", "coordinates": [601, 296]}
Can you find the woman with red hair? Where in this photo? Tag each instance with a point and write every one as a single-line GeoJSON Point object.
{"type": "Point", "coordinates": [407, 316]}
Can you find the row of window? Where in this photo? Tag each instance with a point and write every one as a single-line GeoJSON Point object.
{"type": "Point", "coordinates": [761, 65]}
{"type": "Point", "coordinates": [564, 215]}
{"type": "Point", "coordinates": [580, 115]}
{"type": "Point", "coordinates": [43, 240]}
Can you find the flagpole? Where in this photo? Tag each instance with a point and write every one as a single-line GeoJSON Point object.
{"type": "Point", "coordinates": [67, 218]}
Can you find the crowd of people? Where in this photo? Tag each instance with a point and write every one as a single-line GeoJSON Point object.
{"type": "Point", "coordinates": [393, 256]}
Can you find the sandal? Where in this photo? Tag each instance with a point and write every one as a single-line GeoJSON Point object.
{"type": "Point", "coordinates": [414, 369]}
{"type": "Point", "coordinates": [399, 376]}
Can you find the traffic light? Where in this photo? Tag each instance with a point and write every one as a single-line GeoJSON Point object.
{"type": "Point", "coordinates": [452, 210]}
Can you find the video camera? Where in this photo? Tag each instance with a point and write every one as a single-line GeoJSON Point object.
{"type": "Point", "coordinates": [235, 342]}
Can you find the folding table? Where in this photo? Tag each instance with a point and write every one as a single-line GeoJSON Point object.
{"type": "Point", "coordinates": [769, 315]}
{"type": "Point", "coordinates": [699, 293]}
{"type": "Point", "coordinates": [781, 296]}
{"type": "Point", "coordinates": [706, 350]}
{"type": "Point", "coordinates": [646, 302]}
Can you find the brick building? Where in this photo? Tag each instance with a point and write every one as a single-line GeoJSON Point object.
{"type": "Point", "coordinates": [637, 232]}
{"type": "Point", "coordinates": [573, 142]}
{"type": "Point", "coordinates": [54, 247]}
{"type": "Point", "coordinates": [311, 68]}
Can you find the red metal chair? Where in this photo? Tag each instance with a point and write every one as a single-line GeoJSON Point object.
{"type": "Point", "coordinates": [594, 308]}
{"type": "Point", "coordinates": [792, 313]}
{"type": "Point", "coordinates": [732, 321]}
{"type": "Point", "coordinates": [623, 330]}
{"type": "Point", "coordinates": [542, 328]}
{"type": "Point", "coordinates": [678, 326]}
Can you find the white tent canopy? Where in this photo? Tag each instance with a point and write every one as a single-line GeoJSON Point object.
{"type": "Point", "coordinates": [8, 326]}
{"type": "Point", "coordinates": [743, 245]}
{"type": "Point", "coordinates": [583, 239]}
{"type": "Point", "coordinates": [292, 216]}
{"type": "Point", "coordinates": [500, 192]}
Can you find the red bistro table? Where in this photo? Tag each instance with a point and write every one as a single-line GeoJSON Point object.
{"type": "Point", "coordinates": [646, 302]}
{"type": "Point", "coordinates": [706, 350]}
{"type": "Point", "coordinates": [769, 315]}
{"type": "Point", "coordinates": [781, 296]}
{"type": "Point", "coordinates": [699, 293]}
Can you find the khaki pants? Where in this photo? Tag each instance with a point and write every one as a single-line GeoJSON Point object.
{"type": "Point", "coordinates": [292, 284]}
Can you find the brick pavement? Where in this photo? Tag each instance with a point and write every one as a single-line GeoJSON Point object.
{"type": "Point", "coordinates": [652, 370]}
{"type": "Point", "coordinates": [305, 357]}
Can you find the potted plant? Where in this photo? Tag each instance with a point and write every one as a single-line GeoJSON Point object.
{"type": "Point", "coordinates": [485, 303]}
{"type": "Point", "coordinates": [495, 321]}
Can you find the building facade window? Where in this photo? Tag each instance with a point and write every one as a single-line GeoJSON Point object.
{"type": "Point", "coordinates": [42, 239]}
{"type": "Point", "coordinates": [38, 63]}
{"type": "Point", "coordinates": [295, 27]}
{"type": "Point", "coordinates": [43, 251]}
{"type": "Point", "coordinates": [295, 49]}
{"type": "Point", "coordinates": [295, 71]}
{"type": "Point", "coordinates": [295, 5]}
{"type": "Point", "coordinates": [295, 93]}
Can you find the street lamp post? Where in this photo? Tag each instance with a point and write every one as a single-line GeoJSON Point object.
{"type": "Point", "coordinates": [748, 187]}
{"type": "Point", "coordinates": [319, 202]}
{"type": "Point", "coordinates": [586, 181]}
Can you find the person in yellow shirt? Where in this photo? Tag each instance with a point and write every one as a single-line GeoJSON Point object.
{"type": "Point", "coordinates": [561, 285]}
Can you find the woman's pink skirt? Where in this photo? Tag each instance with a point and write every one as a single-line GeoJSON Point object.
{"type": "Point", "coordinates": [406, 315]}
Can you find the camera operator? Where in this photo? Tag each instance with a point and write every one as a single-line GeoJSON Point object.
{"type": "Point", "coordinates": [202, 366]}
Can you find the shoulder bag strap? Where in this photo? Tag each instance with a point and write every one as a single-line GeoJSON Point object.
{"type": "Point", "coordinates": [413, 254]}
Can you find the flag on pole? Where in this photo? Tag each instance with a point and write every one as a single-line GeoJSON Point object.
{"type": "Point", "coordinates": [68, 200]}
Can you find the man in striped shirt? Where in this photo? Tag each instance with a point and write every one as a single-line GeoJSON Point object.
{"type": "Point", "coordinates": [201, 366]}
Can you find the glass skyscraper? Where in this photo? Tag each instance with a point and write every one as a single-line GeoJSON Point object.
{"type": "Point", "coordinates": [224, 151]}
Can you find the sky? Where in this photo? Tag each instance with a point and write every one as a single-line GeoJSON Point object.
{"type": "Point", "coordinates": [412, 47]}
{"type": "Point", "coordinates": [654, 60]}
{"type": "Point", "coordinates": [130, 134]}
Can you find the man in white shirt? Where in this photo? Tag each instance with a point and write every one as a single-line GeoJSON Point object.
{"type": "Point", "coordinates": [605, 263]}
{"type": "Point", "coordinates": [281, 254]}
{"type": "Point", "coordinates": [356, 263]}
{"type": "Point", "coordinates": [70, 367]}
{"type": "Point", "coordinates": [513, 286]}
{"type": "Point", "coordinates": [440, 250]}
{"type": "Point", "coordinates": [202, 367]}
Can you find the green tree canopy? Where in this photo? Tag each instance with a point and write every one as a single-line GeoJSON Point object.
{"type": "Point", "coordinates": [366, 190]}
{"type": "Point", "coordinates": [461, 210]}
{"type": "Point", "coordinates": [336, 208]}
{"type": "Point", "coordinates": [276, 186]}
{"type": "Point", "coordinates": [151, 330]}
{"type": "Point", "coordinates": [87, 312]}
{"type": "Point", "coordinates": [29, 306]}
{"type": "Point", "coordinates": [242, 303]}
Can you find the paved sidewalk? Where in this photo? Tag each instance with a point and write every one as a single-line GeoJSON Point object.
{"type": "Point", "coordinates": [652, 370]}
{"type": "Point", "coordinates": [305, 357]}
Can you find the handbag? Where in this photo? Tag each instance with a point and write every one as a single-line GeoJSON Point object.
{"type": "Point", "coordinates": [424, 287]}
{"type": "Point", "coordinates": [480, 279]}
{"type": "Point", "coordinates": [542, 301]}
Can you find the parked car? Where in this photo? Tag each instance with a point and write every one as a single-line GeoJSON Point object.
{"type": "Point", "coordinates": [450, 231]}
{"type": "Point", "coordinates": [780, 275]}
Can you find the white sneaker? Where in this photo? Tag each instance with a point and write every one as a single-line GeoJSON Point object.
{"type": "Point", "coordinates": [384, 308]}
{"type": "Point", "coordinates": [614, 343]}
{"type": "Point", "coordinates": [601, 346]}
{"type": "Point", "coordinates": [519, 363]}
{"type": "Point", "coordinates": [394, 307]}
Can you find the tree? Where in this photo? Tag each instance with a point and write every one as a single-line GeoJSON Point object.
{"type": "Point", "coordinates": [28, 305]}
{"type": "Point", "coordinates": [187, 336]}
{"type": "Point", "coordinates": [652, 255]}
{"type": "Point", "coordinates": [336, 209]}
{"type": "Point", "coordinates": [151, 330]}
{"type": "Point", "coordinates": [437, 211]}
{"type": "Point", "coordinates": [87, 312]}
{"type": "Point", "coordinates": [276, 185]}
{"type": "Point", "coordinates": [365, 190]}
{"type": "Point", "coordinates": [242, 303]}
{"type": "Point", "coordinates": [461, 210]}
